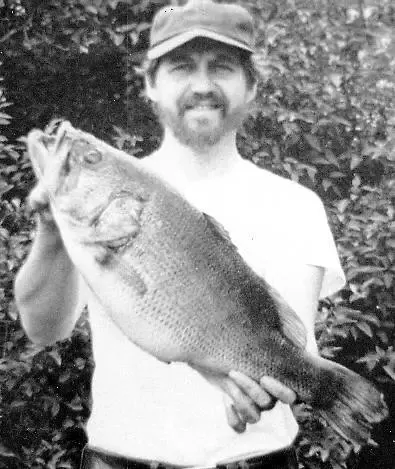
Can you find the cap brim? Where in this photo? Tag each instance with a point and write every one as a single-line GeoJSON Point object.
{"type": "Point", "coordinates": [177, 41]}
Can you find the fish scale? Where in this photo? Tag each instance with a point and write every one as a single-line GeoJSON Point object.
{"type": "Point", "coordinates": [170, 277]}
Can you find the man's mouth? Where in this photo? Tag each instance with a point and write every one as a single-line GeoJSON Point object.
{"type": "Point", "coordinates": [203, 107]}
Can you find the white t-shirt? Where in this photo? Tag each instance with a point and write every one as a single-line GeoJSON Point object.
{"type": "Point", "coordinates": [144, 408]}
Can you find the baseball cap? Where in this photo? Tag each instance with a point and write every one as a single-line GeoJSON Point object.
{"type": "Point", "coordinates": [174, 25]}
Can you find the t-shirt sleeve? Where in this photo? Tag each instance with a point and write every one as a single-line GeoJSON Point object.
{"type": "Point", "coordinates": [316, 245]}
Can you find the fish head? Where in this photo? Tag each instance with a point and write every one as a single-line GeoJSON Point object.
{"type": "Point", "coordinates": [67, 163]}
{"type": "Point", "coordinates": [89, 183]}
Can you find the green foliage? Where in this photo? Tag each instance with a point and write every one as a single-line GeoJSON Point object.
{"type": "Point", "coordinates": [45, 402]}
{"type": "Point", "coordinates": [356, 326]}
{"type": "Point", "coordinates": [326, 104]}
{"type": "Point", "coordinates": [325, 116]}
{"type": "Point", "coordinates": [44, 394]}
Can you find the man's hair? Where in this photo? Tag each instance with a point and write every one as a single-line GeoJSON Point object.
{"type": "Point", "coordinates": [150, 67]}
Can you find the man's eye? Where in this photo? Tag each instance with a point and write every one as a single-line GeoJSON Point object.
{"type": "Point", "coordinates": [182, 67]}
{"type": "Point", "coordinates": [223, 67]}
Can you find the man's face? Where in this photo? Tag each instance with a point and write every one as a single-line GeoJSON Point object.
{"type": "Point", "coordinates": [201, 92]}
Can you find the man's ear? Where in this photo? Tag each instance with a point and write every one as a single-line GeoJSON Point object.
{"type": "Point", "coordinates": [150, 90]}
{"type": "Point", "coordinates": [251, 93]}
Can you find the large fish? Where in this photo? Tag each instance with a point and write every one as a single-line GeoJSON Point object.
{"type": "Point", "coordinates": [171, 278]}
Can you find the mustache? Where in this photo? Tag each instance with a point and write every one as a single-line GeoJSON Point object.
{"type": "Point", "coordinates": [196, 99]}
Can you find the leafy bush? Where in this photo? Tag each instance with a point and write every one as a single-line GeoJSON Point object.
{"type": "Point", "coordinates": [44, 394]}
{"type": "Point", "coordinates": [324, 117]}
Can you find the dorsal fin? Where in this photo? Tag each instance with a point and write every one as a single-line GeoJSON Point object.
{"type": "Point", "coordinates": [278, 314]}
{"type": "Point", "coordinates": [218, 229]}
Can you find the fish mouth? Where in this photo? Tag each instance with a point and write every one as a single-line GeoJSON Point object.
{"type": "Point", "coordinates": [42, 146]}
{"type": "Point", "coordinates": [47, 140]}
{"type": "Point", "coordinates": [53, 136]}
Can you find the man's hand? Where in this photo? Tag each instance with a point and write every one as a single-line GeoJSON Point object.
{"type": "Point", "coordinates": [246, 399]}
{"type": "Point", "coordinates": [38, 203]}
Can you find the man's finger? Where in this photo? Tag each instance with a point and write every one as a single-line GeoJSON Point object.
{"type": "Point", "coordinates": [242, 403]}
{"type": "Point", "coordinates": [258, 394]}
{"type": "Point", "coordinates": [38, 199]}
{"type": "Point", "coordinates": [234, 419]}
{"type": "Point", "coordinates": [278, 390]}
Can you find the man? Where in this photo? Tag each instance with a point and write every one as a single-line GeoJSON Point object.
{"type": "Point", "coordinates": [147, 413]}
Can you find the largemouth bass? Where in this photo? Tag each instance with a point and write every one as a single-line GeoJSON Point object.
{"type": "Point", "coordinates": [171, 279]}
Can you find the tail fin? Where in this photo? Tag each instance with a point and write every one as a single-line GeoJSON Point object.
{"type": "Point", "coordinates": [348, 402]}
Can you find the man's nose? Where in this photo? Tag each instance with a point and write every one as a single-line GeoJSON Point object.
{"type": "Point", "coordinates": [201, 81]}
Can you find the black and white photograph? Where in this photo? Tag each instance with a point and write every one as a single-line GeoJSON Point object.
{"type": "Point", "coordinates": [197, 234]}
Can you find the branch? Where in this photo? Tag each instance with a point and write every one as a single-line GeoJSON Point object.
{"type": "Point", "coordinates": [9, 34]}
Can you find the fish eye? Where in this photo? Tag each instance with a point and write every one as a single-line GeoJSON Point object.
{"type": "Point", "coordinates": [92, 157]}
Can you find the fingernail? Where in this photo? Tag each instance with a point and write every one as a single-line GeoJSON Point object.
{"type": "Point", "coordinates": [254, 419]}
{"type": "Point", "coordinates": [240, 428]}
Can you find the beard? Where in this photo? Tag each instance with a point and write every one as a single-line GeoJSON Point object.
{"type": "Point", "coordinates": [205, 134]}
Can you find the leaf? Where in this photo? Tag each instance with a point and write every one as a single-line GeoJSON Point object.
{"type": "Point", "coordinates": [368, 269]}
{"type": "Point", "coordinates": [75, 404]}
{"type": "Point", "coordinates": [341, 120]}
{"type": "Point", "coordinates": [18, 403]}
{"type": "Point", "coordinates": [383, 336]}
{"type": "Point", "coordinates": [55, 408]}
{"type": "Point", "coordinates": [354, 332]}
{"type": "Point", "coordinates": [4, 451]}
{"type": "Point", "coordinates": [4, 187]}
{"type": "Point", "coordinates": [364, 327]}
{"type": "Point", "coordinates": [329, 155]}
{"type": "Point", "coordinates": [118, 39]}
{"type": "Point", "coordinates": [52, 464]}
{"type": "Point", "coordinates": [91, 9]}
{"type": "Point", "coordinates": [390, 243]}
{"type": "Point", "coordinates": [371, 360]}
{"type": "Point", "coordinates": [64, 377]}
{"type": "Point", "coordinates": [356, 182]}
{"type": "Point", "coordinates": [336, 175]}
{"type": "Point", "coordinates": [355, 161]}
{"type": "Point", "coordinates": [126, 28]}
{"type": "Point", "coordinates": [342, 205]}
{"type": "Point", "coordinates": [56, 356]}
{"type": "Point", "coordinates": [313, 142]}
{"type": "Point", "coordinates": [311, 171]}
{"type": "Point", "coordinates": [330, 352]}
{"type": "Point", "coordinates": [336, 80]}
{"type": "Point", "coordinates": [372, 318]}
{"type": "Point", "coordinates": [326, 183]}
{"type": "Point", "coordinates": [390, 371]}
{"type": "Point", "coordinates": [80, 363]}
{"type": "Point", "coordinates": [388, 279]}
{"type": "Point", "coordinates": [68, 423]}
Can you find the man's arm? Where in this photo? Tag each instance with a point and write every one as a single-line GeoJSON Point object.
{"type": "Point", "coordinates": [47, 285]}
